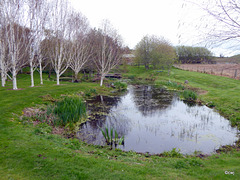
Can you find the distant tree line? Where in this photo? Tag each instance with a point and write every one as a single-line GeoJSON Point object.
{"type": "Point", "coordinates": [194, 55]}
{"type": "Point", "coordinates": [158, 53]}
{"type": "Point", "coordinates": [42, 33]}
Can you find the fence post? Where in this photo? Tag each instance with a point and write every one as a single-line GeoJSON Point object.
{"type": "Point", "coordinates": [235, 75]}
{"type": "Point", "coordinates": [222, 72]}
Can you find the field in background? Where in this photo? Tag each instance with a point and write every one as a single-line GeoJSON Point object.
{"type": "Point", "coordinates": [226, 70]}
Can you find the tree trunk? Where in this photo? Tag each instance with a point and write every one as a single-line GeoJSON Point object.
{"type": "Point", "coordinates": [3, 77]}
{"type": "Point", "coordinates": [101, 82]}
{"type": "Point", "coordinates": [32, 78]}
{"type": "Point", "coordinates": [49, 72]}
{"type": "Point", "coordinates": [76, 76]}
{"type": "Point", "coordinates": [40, 72]}
{"type": "Point", "coordinates": [58, 76]}
{"type": "Point", "coordinates": [14, 75]}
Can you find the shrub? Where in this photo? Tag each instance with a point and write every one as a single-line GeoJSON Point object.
{"type": "Point", "coordinates": [120, 86]}
{"type": "Point", "coordinates": [69, 110]}
{"type": "Point", "coordinates": [174, 85]}
{"type": "Point", "coordinates": [172, 153]}
{"type": "Point", "coordinates": [189, 95]}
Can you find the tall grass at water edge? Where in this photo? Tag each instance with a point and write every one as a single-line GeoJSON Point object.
{"type": "Point", "coordinates": [108, 136]}
{"type": "Point", "coordinates": [69, 110]}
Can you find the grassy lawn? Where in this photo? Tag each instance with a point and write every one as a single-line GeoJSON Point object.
{"type": "Point", "coordinates": [28, 155]}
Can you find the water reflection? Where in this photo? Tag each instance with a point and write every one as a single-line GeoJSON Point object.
{"type": "Point", "coordinates": [149, 100]}
{"type": "Point", "coordinates": [154, 120]}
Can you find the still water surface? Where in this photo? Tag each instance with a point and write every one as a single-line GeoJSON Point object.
{"type": "Point", "coordinates": [155, 120]}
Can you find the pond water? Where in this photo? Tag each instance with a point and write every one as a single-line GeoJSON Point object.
{"type": "Point", "coordinates": [155, 120]}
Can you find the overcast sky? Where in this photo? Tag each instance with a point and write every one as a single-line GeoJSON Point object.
{"type": "Point", "coordinates": [135, 18]}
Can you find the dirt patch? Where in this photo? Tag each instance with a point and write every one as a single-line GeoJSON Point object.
{"type": "Point", "coordinates": [30, 112]}
{"type": "Point", "coordinates": [58, 130]}
{"type": "Point", "coordinates": [37, 116]}
{"type": "Point", "coordinates": [227, 148]}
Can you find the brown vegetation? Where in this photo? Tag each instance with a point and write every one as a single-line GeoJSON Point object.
{"type": "Point", "coordinates": [226, 70]}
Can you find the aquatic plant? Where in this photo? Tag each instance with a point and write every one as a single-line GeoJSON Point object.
{"type": "Point", "coordinates": [121, 141]}
{"type": "Point", "coordinates": [105, 134]}
{"type": "Point", "coordinates": [108, 136]}
{"type": "Point", "coordinates": [189, 95]}
{"type": "Point", "coordinates": [116, 136]}
{"type": "Point", "coordinates": [69, 110]}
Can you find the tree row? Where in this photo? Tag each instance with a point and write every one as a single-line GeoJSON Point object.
{"type": "Point", "coordinates": [40, 33]}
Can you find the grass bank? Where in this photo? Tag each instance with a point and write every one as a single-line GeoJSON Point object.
{"type": "Point", "coordinates": [26, 154]}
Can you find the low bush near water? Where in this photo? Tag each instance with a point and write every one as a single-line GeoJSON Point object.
{"type": "Point", "coordinates": [172, 153]}
{"type": "Point", "coordinates": [174, 85]}
{"type": "Point", "coordinates": [120, 86]}
{"type": "Point", "coordinates": [189, 95]}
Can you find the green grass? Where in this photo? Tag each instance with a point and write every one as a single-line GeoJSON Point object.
{"type": "Point", "coordinates": [26, 154]}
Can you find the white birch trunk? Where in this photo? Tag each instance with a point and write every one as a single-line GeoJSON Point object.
{"type": "Point", "coordinates": [14, 77]}
{"type": "Point", "coordinates": [76, 76]}
{"type": "Point", "coordinates": [58, 77]}
{"type": "Point", "coordinates": [40, 72]}
{"type": "Point", "coordinates": [31, 71]}
{"type": "Point", "coordinates": [3, 78]}
{"type": "Point", "coordinates": [101, 82]}
{"type": "Point", "coordinates": [3, 75]}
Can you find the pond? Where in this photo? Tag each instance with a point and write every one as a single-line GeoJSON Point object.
{"type": "Point", "coordinates": [155, 120]}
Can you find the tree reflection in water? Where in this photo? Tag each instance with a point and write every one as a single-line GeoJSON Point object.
{"type": "Point", "coordinates": [150, 99]}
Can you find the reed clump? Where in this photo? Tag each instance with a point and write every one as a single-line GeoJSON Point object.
{"type": "Point", "coordinates": [69, 111]}
{"type": "Point", "coordinates": [112, 138]}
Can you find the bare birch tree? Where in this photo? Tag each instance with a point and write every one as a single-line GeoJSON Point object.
{"type": "Point", "coordinates": [108, 49]}
{"type": "Point", "coordinates": [17, 36]}
{"type": "Point", "coordinates": [37, 13]}
{"type": "Point", "coordinates": [59, 44]}
{"type": "Point", "coordinates": [81, 50]}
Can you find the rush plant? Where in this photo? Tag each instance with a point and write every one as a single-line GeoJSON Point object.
{"type": "Point", "coordinates": [69, 110]}
{"type": "Point", "coordinates": [108, 136]}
